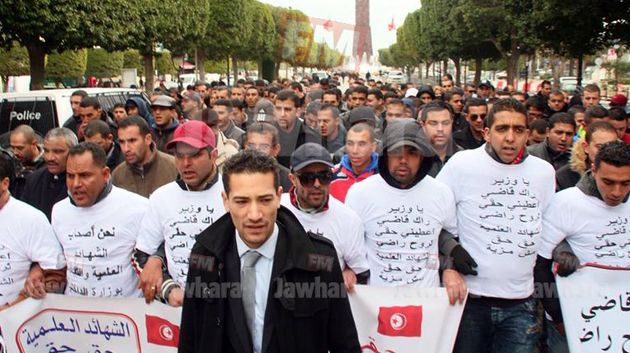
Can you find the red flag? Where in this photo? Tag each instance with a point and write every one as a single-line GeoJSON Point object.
{"type": "Point", "coordinates": [328, 25]}
{"type": "Point", "coordinates": [161, 332]}
{"type": "Point", "coordinates": [391, 26]}
{"type": "Point", "coordinates": [403, 321]}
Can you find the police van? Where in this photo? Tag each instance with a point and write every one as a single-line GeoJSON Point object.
{"type": "Point", "coordinates": [46, 109]}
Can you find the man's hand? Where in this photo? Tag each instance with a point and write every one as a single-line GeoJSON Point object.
{"type": "Point", "coordinates": [455, 286]}
{"type": "Point", "coordinates": [349, 279]}
{"type": "Point", "coordinates": [567, 263]}
{"type": "Point", "coordinates": [151, 278]}
{"type": "Point", "coordinates": [463, 262]}
{"type": "Point", "coordinates": [176, 297]}
{"type": "Point", "coordinates": [34, 285]}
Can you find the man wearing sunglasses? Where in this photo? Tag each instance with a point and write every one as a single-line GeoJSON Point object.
{"type": "Point", "coordinates": [178, 211]}
{"type": "Point", "coordinates": [404, 212]}
{"type": "Point", "coordinates": [309, 199]}
{"type": "Point", "coordinates": [470, 91]}
{"type": "Point", "coordinates": [475, 112]}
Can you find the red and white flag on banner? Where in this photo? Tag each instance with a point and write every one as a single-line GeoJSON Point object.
{"type": "Point", "coordinates": [161, 332]}
{"type": "Point", "coordinates": [395, 319]}
{"type": "Point", "coordinates": [400, 321]}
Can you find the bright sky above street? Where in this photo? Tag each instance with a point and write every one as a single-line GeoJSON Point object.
{"type": "Point", "coordinates": [381, 14]}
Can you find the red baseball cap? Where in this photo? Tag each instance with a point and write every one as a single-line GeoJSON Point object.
{"type": "Point", "coordinates": [194, 133]}
{"type": "Point", "coordinates": [619, 100]}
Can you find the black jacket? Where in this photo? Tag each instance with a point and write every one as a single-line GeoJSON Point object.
{"type": "Point", "coordinates": [543, 150]}
{"type": "Point", "coordinates": [466, 140]}
{"type": "Point", "coordinates": [289, 142]}
{"type": "Point", "coordinates": [566, 178]}
{"type": "Point", "coordinates": [438, 164]}
{"type": "Point", "coordinates": [73, 124]}
{"type": "Point", "coordinates": [115, 156]}
{"type": "Point", "coordinates": [19, 183]}
{"type": "Point", "coordinates": [43, 190]}
{"type": "Point", "coordinates": [215, 322]}
{"type": "Point", "coordinates": [459, 122]}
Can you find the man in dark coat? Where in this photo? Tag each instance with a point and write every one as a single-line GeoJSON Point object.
{"type": "Point", "coordinates": [99, 132]}
{"type": "Point", "coordinates": [257, 309]}
{"type": "Point", "coordinates": [556, 149]}
{"type": "Point", "coordinates": [47, 186]}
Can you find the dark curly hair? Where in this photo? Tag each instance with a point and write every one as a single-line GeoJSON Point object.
{"type": "Point", "coordinates": [250, 162]}
{"type": "Point", "coordinates": [616, 153]}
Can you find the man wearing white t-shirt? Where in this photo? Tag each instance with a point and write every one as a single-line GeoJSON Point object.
{"type": "Point", "coordinates": [25, 238]}
{"type": "Point", "coordinates": [309, 199]}
{"type": "Point", "coordinates": [501, 194]}
{"type": "Point", "coordinates": [593, 217]}
{"type": "Point", "coordinates": [97, 225]}
{"type": "Point", "coordinates": [404, 212]}
{"type": "Point", "coordinates": [178, 212]}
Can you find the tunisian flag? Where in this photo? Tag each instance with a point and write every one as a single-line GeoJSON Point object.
{"type": "Point", "coordinates": [161, 332]}
{"type": "Point", "coordinates": [403, 321]}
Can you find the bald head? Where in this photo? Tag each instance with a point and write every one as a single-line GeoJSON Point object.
{"type": "Point", "coordinates": [24, 144]}
{"type": "Point", "coordinates": [26, 131]}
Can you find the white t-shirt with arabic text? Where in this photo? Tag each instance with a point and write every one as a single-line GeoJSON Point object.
{"type": "Point", "coordinates": [25, 237]}
{"type": "Point", "coordinates": [98, 242]}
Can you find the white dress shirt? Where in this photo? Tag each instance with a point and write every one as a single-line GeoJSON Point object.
{"type": "Point", "coordinates": [263, 278]}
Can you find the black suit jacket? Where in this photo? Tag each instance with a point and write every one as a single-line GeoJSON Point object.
{"type": "Point", "coordinates": [215, 322]}
{"type": "Point", "coordinates": [43, 190]}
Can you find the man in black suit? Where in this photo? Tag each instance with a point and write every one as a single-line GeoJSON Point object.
{"type": "Point", "coordinates": [246, 270]}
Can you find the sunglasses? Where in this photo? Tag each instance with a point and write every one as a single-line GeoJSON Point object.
{"type": "Point", "coordinates": [474, 117]}
{"type": "Point", "coordinates": [308, 179]}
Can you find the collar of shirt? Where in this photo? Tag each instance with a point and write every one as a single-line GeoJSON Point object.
{"type": "Point", "coordinates": [268, 249]}
{"type": "Point", "coordinates": [493, 154]}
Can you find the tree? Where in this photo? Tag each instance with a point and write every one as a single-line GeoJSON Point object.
{"type": "Point", "coordinates": [42, 28]}
{"type": "Point", "coordinates": [573, 29]}
{"type": "Point", "coordinates": [215, 66]}
{"type": "Point", "coordinates": [619, 69]}
{"type": "Point", "coordinates": [66, 65]}
{"type": "Point", "coordinates": [186, 28]}
{"type": "Point", "coordinates": [507, 24]}
{"type": "Point", "coordinates": [294, 37]}
{"type": "Point", "coordinates": [225, 31]}
{"type": "Point", "coordinates": [259, 44]}
{"type": "Point", "coordinates": [101, 63]}
{"type": "Point", "coordinates": [133, 60]}
{"type": "Point", "coordinates": [385, 57]}
{"type": "Point", "coordinates": [164, 64]}
{"type": "Point", "coordinates": [616, 21]}
{"type": "Point", "coordinates": [13, 62]}
{"type": "Point", "coordinates": [160, 17]}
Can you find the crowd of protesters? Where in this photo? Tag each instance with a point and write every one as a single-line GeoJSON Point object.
{"type": "Point", "coordinates": [473, 189]}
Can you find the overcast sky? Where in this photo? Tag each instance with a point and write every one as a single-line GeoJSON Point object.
{"type": "Point", "coordinates": [381, 14]}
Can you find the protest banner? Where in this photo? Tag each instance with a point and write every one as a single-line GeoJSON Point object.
{"type": "Point", "coordinates": [595, 303]}
{"type": "Point", "coordinates": [394, 320]}
{"type": "Point", "coordinates": [405, 319]}
{"type": "Point", "coordinates": [60, 324]}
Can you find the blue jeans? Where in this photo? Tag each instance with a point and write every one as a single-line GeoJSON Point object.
{"type": "Point", "coordinates": [491, 329]}
{"type": "Point", "coordinates": [556, 343]}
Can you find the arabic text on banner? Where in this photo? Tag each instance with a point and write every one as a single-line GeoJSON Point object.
{"type": "Point", "coordinates": [60, 324]}
{"type": "Point", "coordinates": [596, 309]}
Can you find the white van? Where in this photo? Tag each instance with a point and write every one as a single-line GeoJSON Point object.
{"type": "Point", "coordinates": [47, 109]}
